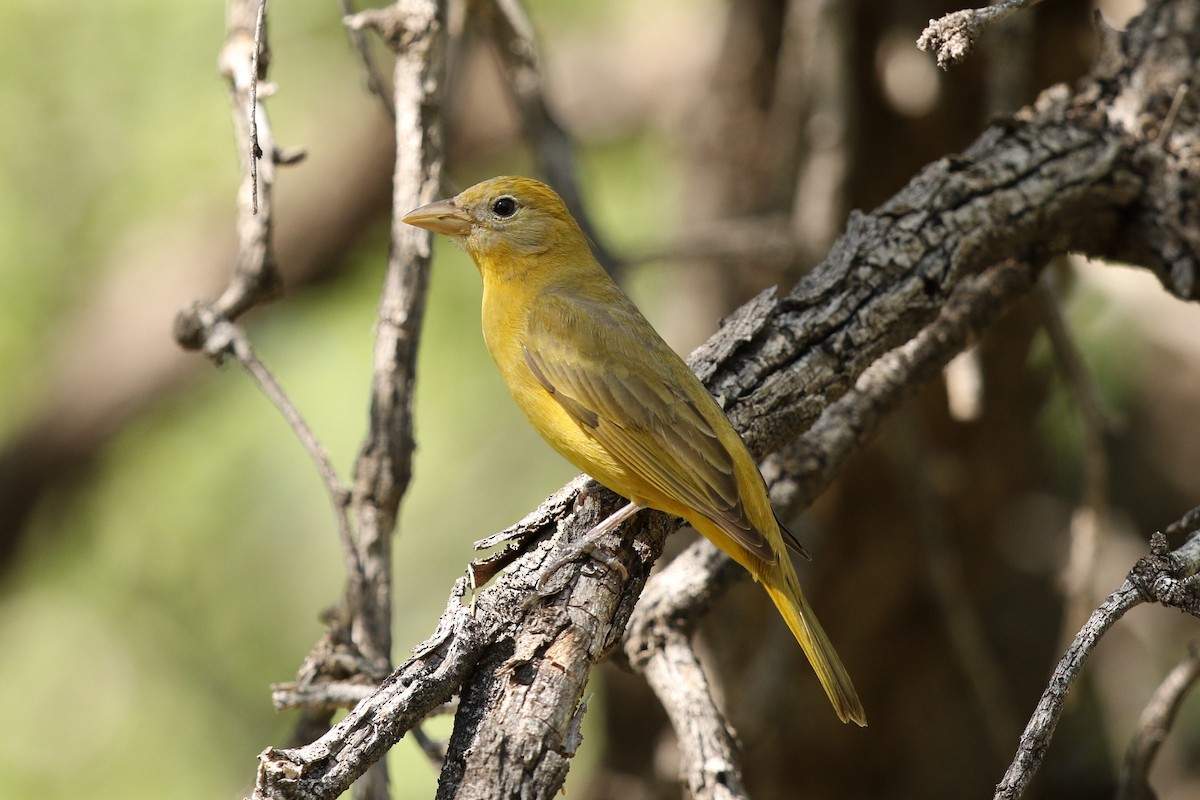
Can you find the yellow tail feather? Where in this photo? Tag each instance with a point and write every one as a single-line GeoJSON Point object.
{"type": "Point", "coordinates": [784, 588]}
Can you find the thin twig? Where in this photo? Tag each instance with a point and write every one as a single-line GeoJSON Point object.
{"type": "Point", "coordinates": [255, 151]}
{"type": "Point", "coordinates": [366, 60]}
{"type": "Point", "coordinates": [1185, 524]}
{"type": "Point", "coordinates": [953, 36]}
{"type": "Point", "coordinates": [515, 45]}
{"type": "Point", "coordinates": [1172, 113]}
{"type": "Point", "coordinates": [1162, 578]}
{"type": "Point", "coordinates": [323, 697]}
{"type": "Point", "coordinates": [1088, 523]}
{"type": "Point", "coordinates": [1133, 781]}
{"type": "Point", "coordinates": [244, 55]}
{"type": "Point", "coordinates": [1040, 729]}
{"type": "Point", "coordinates": [222, 337]}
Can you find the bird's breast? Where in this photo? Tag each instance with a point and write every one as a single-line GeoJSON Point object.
{"type": "Point", "coordinates": [504, 331]}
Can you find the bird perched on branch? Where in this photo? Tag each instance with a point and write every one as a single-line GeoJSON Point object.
{"type": "Point", "coordinates": [605, 391]}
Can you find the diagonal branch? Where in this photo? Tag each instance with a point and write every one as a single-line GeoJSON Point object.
{"type": "Point", "coordinates": [512, 35]}
{"type": "Point", "coordinates": [656, 641]}
{"type": "Point", "coordinates": [1161, 577]}
{"type": "Point", "coordinates": [358, 41]}
{"type": "Point", "coordinates": [1133, 782]}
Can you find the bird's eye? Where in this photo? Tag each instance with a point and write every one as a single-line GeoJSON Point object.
{"type": "Point", "coordinates": [504, 207]}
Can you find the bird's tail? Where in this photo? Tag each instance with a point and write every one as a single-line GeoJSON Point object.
{"type": "Point", "coordinates": [784, 588]}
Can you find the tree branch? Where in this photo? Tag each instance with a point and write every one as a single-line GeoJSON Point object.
{"type": "Point", "coordinates": [512, 35]}
{"type": "Point", "coordinates": [677, 596]}
{"type": "Point", "coordinates": [415, 30]}
{"type": "Point", "coordinates": [244, 61]}
{"type": "Point", "coordinates": [954, 36]}
{"type": "Point", "coordinates": [370, 70]}
{"type": "Point", "coordinates": [1133, 782]}
{"type": "Point", "coordinates": [1161, 577]}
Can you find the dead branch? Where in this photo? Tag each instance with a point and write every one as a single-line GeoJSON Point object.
{"type": "Point", "coordinates": [709, 763]}
{"type": "Point", "coordinates": [954, 36]}
{"type": "Point", "coordinates": [415, 31]}
{"type": "Point", "coordinates": [511, 32]}
{"type": "Point", "coordinates": [677, 596]}
{"type": "Point", "coordinates": [244, 61]}
{"type": "Point", "coordinates": [1133, 783]}
{"type": "Point", "coordinates": [219, 338]}
{"type": "Point", "coordinates": [370, 69]}
{"type": "Point", "coordinates": [1162, 577]}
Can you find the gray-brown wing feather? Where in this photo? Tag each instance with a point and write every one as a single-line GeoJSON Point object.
{"type": "Point", "coordinates": [647, 425]}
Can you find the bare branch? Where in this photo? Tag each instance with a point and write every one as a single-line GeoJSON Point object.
{"type": "Point", "coordinates": [708, 752]}
{"type": "Point", "coordinates": [1163, 578]}
{"type": "Point", "coordinates": [220, 337]}
{"type": "Point", "coordinates": [953, 36]}
{"type": "Point", "coordinates": [370, 69]}
{"type": "Point", "coordinates": [321, 697]}
{"type": "Point", "coordinates": [1133, 782]}
{"type": "Point", "coordinates": [515, 45]}
{"type": "Point", "coordinates": [678, 595]}
{"type": "Point", "coordinates": [812, 461]}
{"type": "Point", "coordinates": [328, 766]}
{"type": "Point", "coordinates": [414, 29]}
{"type": "Point", "coordinates": [244, 60]}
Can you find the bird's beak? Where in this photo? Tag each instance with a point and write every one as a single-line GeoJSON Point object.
{"type": "Point", "coordinates": [440, 217]}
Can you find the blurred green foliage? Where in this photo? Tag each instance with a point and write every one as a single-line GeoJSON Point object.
{"type": "Point", "coordinates": [157, 601]}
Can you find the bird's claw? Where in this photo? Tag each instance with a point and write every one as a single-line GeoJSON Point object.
{"type": "Point", "coordinates": [572, 552]}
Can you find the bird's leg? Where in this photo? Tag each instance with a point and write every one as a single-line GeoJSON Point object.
{"type": "Point", "coordinates": [588, 544]}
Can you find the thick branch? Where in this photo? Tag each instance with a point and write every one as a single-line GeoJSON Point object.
{"type": "Point", "coordinates": [677, 596]}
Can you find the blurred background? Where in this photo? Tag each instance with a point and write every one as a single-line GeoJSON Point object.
{"type": "Point", "coordinates": [166, 548]}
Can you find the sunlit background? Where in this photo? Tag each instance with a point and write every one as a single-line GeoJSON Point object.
{"type": "Point", "coordinates": [180, 547]}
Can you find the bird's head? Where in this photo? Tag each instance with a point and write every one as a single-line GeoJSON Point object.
{"type": "Point", "coordinates": [502, 221]}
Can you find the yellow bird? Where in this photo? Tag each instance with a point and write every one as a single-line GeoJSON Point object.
{"type": "Point", "coordinates": [603, 388]}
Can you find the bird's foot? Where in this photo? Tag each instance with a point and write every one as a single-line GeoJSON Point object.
{"type": "Point", "coordinates": [590, 545]}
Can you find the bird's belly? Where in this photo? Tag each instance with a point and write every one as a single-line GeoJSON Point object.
{"type": "Point", "coordinates": [573, 443]}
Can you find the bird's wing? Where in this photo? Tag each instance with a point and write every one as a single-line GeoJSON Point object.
{"type": "Point", "coordinates": [650, 426]}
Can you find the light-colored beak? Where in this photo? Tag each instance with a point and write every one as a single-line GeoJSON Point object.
{"type": "Point", "coordinates": [440, 217]}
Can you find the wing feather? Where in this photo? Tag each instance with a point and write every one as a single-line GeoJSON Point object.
{"type": "Point", "coordinates": [649, 426]}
